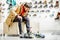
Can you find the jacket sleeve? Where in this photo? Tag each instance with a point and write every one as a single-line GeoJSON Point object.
{"type": "Point", "coordinates": [17, 10]}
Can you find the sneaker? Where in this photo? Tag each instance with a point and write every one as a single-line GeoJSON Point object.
{"type": "Point", "coordinates": [56, 18]}
{"type": "Point", "coordinates": [26, 36]}
{"type": "Point", "coordinates": [39, 36]}
{"type": "Point", "coordinates": [20, 35]}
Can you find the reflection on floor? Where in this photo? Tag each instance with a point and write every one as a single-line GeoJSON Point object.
{"type": "Point", "coordinates": [48, 36]}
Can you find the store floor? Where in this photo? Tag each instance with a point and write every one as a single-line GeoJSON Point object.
{"type": "Point", "coordinates": [48, 36]}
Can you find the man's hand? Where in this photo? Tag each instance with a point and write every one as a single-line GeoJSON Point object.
{"type": "Point", "coordinates": [19, 16]}
{"type": "Point", "coordinates": [25, 14]}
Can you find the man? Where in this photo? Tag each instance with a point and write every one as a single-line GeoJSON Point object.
{"type": "Point", "coordinates": [22, 16]}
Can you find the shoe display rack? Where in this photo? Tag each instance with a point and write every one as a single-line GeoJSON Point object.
{"type": "Point", "coordinates": [0, 11]}
{"type": "Point", "coordinates": [46, 6]}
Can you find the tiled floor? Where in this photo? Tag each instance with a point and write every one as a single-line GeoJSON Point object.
{"type": "Point", "coordinates": [48, 36]}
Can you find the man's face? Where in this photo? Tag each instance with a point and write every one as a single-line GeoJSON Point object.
{"type": "Point", "coordinates": [26, 9]}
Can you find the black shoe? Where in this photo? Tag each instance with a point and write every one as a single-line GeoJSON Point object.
{"type": "Point", "coordinates": [57, 18]}
{"type": "Point", "coordinates": [26, 37]}
{"type": "Point", "coordinates": [35, 2]}
{"type": "Point", "coordinates": [40, 2]}
{"type": "Point", "coordinates": [45, 6]}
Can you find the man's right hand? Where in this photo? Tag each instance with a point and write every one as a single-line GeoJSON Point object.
{"type": "Point", "coordinates": [19, 16]}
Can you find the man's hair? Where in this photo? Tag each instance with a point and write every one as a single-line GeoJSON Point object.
{"type": "Point", "coordinates": [26, 5]}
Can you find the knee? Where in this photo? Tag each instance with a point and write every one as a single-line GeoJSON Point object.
{"type": "Point", "coordinates": [27, 19]}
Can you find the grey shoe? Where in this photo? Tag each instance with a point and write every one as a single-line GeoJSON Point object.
{"type": "Point", "coordinates": [26, 36]}
{"type": "Point", "coordinates": [39, 35]}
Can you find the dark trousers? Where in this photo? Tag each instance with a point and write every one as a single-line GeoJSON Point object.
{"type": "Point", "coordinates": [24, 19]}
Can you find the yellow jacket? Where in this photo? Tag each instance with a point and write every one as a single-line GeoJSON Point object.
{"type": "Point", "coordinates": [11, 16]}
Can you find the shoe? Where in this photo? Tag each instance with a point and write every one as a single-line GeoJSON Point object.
{"type": "Point", "coordinates": [51, 6]}
{"type": "Point", "coordinates": [39, 36]}
{"type": "Point", "coordinates": [34, 14]}
{"type": "Point", "coordinates": [45, 2]}
{"type": "Point", "coordinates": [26, 36]}
{"type": "Point", "coordinates": [21, 35]}
{"type": "Point", "coordinates": [51, 1]}
{"type": "Point", "coordinates": [56, 18]}
{"type": "Point", "coordinates": [45, 6]}
{"type": "Point", "coordinates": [42, 36]}
{"type": "Point", "coordinates": [40, 2]}
{"type": "Point", "coordinates": [57, 4]}
{"type": "Point", "coordinates": [35, 6]}
{"type": "Point", "coordinates": [35, 2]}
{"type": "Point", "coordinates": [40, 6]}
